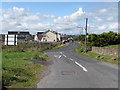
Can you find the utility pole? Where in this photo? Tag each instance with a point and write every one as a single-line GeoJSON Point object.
{"type": "Point", "coordinates": [86, 35]}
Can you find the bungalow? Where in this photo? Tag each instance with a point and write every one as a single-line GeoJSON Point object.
{"type": "Point", "coordinates": [48, 36]}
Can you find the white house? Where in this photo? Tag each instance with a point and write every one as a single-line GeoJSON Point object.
{"type": "Point", "coordinates": [48, 36]}
{"type": "Point", "coordinates": [36, 38]}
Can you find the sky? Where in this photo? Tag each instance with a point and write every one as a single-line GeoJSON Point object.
{"type": "Point", "coordinates": [63, 17]}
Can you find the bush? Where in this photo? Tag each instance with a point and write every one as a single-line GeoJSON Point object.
{"type": "Point", "coordinates": [80, 48]}
{"type": "Point", "coordinates": [104, 39]}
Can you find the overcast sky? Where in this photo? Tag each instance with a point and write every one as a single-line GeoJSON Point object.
{"type": "Point", "coordinates": [61, 17]}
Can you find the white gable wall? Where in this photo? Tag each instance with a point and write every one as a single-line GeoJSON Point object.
{"type": "Point", "coordinates": [36, 38]}
{"type": "Point", "coordinates": [59, 37]}
{"type": "Point", "coordinates": [49, 37]}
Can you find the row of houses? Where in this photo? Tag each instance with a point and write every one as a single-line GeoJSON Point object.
{"type": "Point", "coordinates": [17, 37]}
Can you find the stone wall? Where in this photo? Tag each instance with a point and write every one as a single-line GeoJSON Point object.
{"type": "Point", "coordinates": [112, 51]}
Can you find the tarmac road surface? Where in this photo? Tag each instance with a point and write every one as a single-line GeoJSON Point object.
{"type": "Point", "coordinates": [71, 70]}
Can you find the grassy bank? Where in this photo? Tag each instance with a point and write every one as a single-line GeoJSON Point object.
{"type": "Point", "coordinates": [59, 46]}
{"type": "Point", "coordinates": [113, 45]}
{"type": "Point", "coordinates": [105, 58]}
{"type": "Point", "coordinates": [18, 72]}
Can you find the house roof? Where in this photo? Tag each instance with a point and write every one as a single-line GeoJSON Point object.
{"type": "Point", "coordinates": [51, 31]}
{"type": "Point", "coordinates": [40, 32]}
{"type": "Point", "coordinates": [18, 32]}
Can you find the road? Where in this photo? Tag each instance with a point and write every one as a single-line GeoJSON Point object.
{"type": "Point", "coordinates": [71, 70]}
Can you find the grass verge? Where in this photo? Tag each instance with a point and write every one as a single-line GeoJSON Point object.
{"type": "Point", "coordinates": [59, 46]}
{"type": "Point", "coordinates": [19, 73]}
{"type": "Point", "coordinates": [106, 58]}
{"type": "Point", "coordinates": [113, 45]}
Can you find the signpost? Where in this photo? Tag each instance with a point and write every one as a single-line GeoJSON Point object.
{"type": "Point", "coordinates": [10, 39]}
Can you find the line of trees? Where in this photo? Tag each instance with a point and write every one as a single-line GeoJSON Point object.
{"type": "Point", "coordinates": [104, 39]}
{"type": "Point", "coordinates": [79, 38]}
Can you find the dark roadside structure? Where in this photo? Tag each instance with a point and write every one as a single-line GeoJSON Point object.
{"type": "Point", "coordinates": [22, 36]}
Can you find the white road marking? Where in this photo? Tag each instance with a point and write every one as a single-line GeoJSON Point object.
{"type": "Point", "coordinates": [61, 53]}
{"type": "Point", "coordinates": [71, 59]}
{"type": "Point", "coordinates": [60, 56]}
{"type": "Point", "coordinates": [64, 55]}
{"type": "Point", "coordinates": [55, 56]}
{"type": "Point", "coordinates": [81, 66]}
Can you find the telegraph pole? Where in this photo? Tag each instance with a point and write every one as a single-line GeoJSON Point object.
{"type": "Point", "coordinates": [86, 35]}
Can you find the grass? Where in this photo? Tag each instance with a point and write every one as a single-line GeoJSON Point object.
{"type": "Point", "coordinates": [92, 55]}
{"type": "Point", "coordinates": [17, 72]}
{"type": "Point", "coordinates": [0, 66]}
{"type": "Point", "coordinates": [58, 47]}
{"type": "Point", "coordinates": [113, 45]}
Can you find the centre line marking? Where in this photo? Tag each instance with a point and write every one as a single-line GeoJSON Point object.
{"type": "Point", "coordinates": [61, 53]}
{"type": "Point", "coordinates": [59, 56]}
{"type": "Point", "coordinates": [64, 56]}
{"type": "Point", "coordinates": [71, 59]}
{"type": "Point", "coordinates": [55, 56]}
{"type": "Point", "coordinates": [81, 66]}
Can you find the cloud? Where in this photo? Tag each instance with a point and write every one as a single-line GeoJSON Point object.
{"type": "Point", "coordinates": [113, 26]}
{"type": "Point", "coordinates": [21, 19]}
{"type": "Point", "coordinates": [110, 26]}
{"type": "Point", "coordinates": [71, 18]}
{"type": "Point", "coordinates": [49, 16]}
{"type": "Point", "coordinates": [98, 19]}
{"type": "Point", "coordinates": [15, 9]}
{"type": "Point", "coordinates": [110, 18]}
{"type": "Point", "coordinates": [103, 10]}
{"type": "Point", "coordinates": [31, 18]}
{"type": "Point", "coordinates": [103, 27]}
{"type": "Point", "coordinates": [76, 16]}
